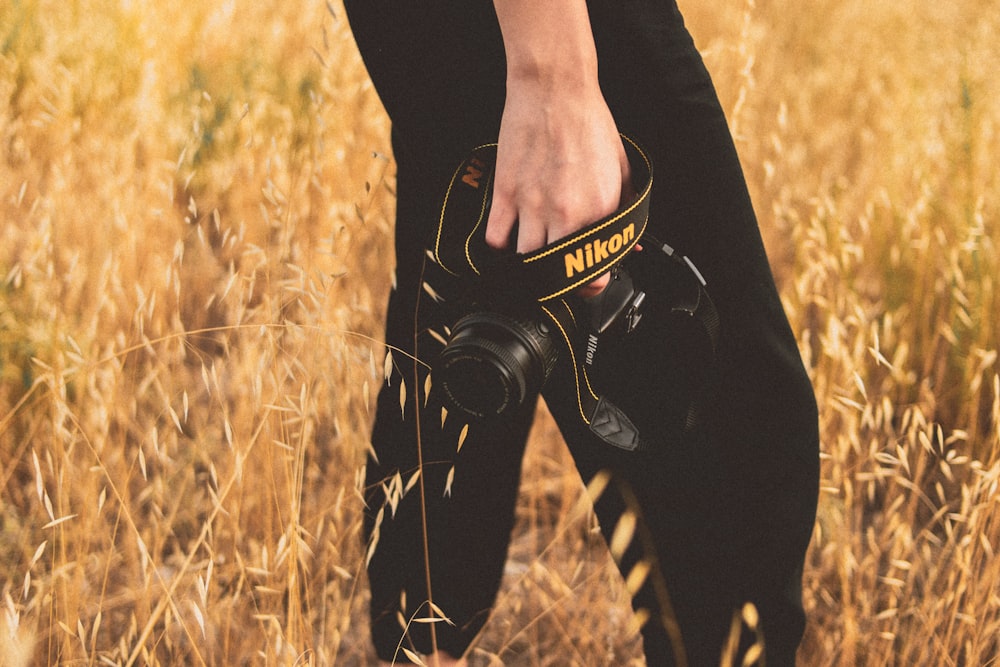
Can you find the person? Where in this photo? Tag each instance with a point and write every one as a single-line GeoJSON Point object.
{"type": "Point", "coordinates": [726, 512]}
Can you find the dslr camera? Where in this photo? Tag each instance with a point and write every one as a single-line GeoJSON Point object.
{"type": "Point", "coordinates": [503, 350]}
{"type": "Point", "coordinates": [519, 313]}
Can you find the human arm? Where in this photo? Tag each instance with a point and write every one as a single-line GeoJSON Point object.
{"type": "Point", "coordinates": [560, 161]}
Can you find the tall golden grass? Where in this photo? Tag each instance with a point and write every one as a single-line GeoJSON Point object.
{"type": "Point", "coordinates": [196, 202]}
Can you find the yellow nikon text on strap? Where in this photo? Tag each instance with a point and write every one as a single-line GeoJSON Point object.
{"type": "Point", "coordinates": [597, 251]}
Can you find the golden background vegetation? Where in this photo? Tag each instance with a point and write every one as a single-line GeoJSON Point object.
{"type": "Point", "coordinates": [195, 248]}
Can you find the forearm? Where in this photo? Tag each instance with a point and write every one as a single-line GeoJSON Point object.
{"type": "Point", "coordinates": [548, 42]}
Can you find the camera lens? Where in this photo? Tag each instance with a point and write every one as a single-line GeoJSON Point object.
{"type": "Point", "coordinates": [493, 363]}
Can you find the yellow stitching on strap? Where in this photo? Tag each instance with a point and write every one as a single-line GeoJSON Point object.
{"type": "Point", "coordinates": [576, 370]}
{"type": "Point", "coordinates": [444, 207]}
{"type": "Point", "coordinates": [482, 214]}
{"type": "Point", "coordinates": [440, 231]}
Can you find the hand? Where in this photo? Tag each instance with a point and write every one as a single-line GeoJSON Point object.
{"type": "Point", "coordinates": [560, 164]}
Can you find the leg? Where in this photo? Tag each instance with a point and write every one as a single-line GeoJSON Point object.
{"type": "Point", "coordinates": [440, 537]}
{"type": "Point", "coordinates": [442, 102]}
{"type": "Point", "coordinates": [726, 513]}
{"type": "Point", "coordinates": [726, 510]}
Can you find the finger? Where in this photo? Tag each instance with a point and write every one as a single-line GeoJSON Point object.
{"type": "Point", "coordinates": [500, 223]}
{"type": "Point", "coordinates": [531, 234]}
{"type": "Point", "coordinates": [594, 287]}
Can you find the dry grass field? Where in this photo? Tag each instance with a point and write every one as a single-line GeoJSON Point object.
{"type": "Point", "coordinates": [195, 248]}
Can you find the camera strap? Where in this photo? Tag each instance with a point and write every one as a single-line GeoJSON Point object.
{"type": "Point", "coordinates": [549, 275]}
{"type": "Point", "coordinates": [549, 272]}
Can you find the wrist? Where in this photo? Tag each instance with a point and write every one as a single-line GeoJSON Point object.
{"type": "Point", "coordinates": [545, 82]}
{"type": "Point", "coordinates": [540, 55]}
{"type": "Point", "coordinates": [552, 66]}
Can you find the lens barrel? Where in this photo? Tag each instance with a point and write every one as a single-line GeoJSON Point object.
{"type": "Point", "coordinates": [493, 362]}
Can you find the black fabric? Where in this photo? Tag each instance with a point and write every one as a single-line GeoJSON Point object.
{"type": "Point", "coordinates": [727, 513]}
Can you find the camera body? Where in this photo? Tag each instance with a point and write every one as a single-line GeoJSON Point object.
{"type": "Point", "coordinates": [503, 350]}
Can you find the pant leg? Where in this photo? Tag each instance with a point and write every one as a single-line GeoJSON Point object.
{"type": "Point", "coordinates": [438, 67]}
{"type": "Point", "coordinates": [727, 512]}
{"type": "Point", "coordinates": [709, 554]}
{"type": "Point", "coordinates": [452, 527]}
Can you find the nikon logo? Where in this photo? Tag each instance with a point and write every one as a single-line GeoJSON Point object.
{"type": "Point", "coordinates": [597, 251]}
{"type": "Point", "coordinates": [591, 348]}
{"type": "Point", "coordinates": [473, 172]}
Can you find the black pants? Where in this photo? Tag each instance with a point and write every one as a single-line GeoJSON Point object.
{"type": "Point", "coordinates": [726, 512]}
